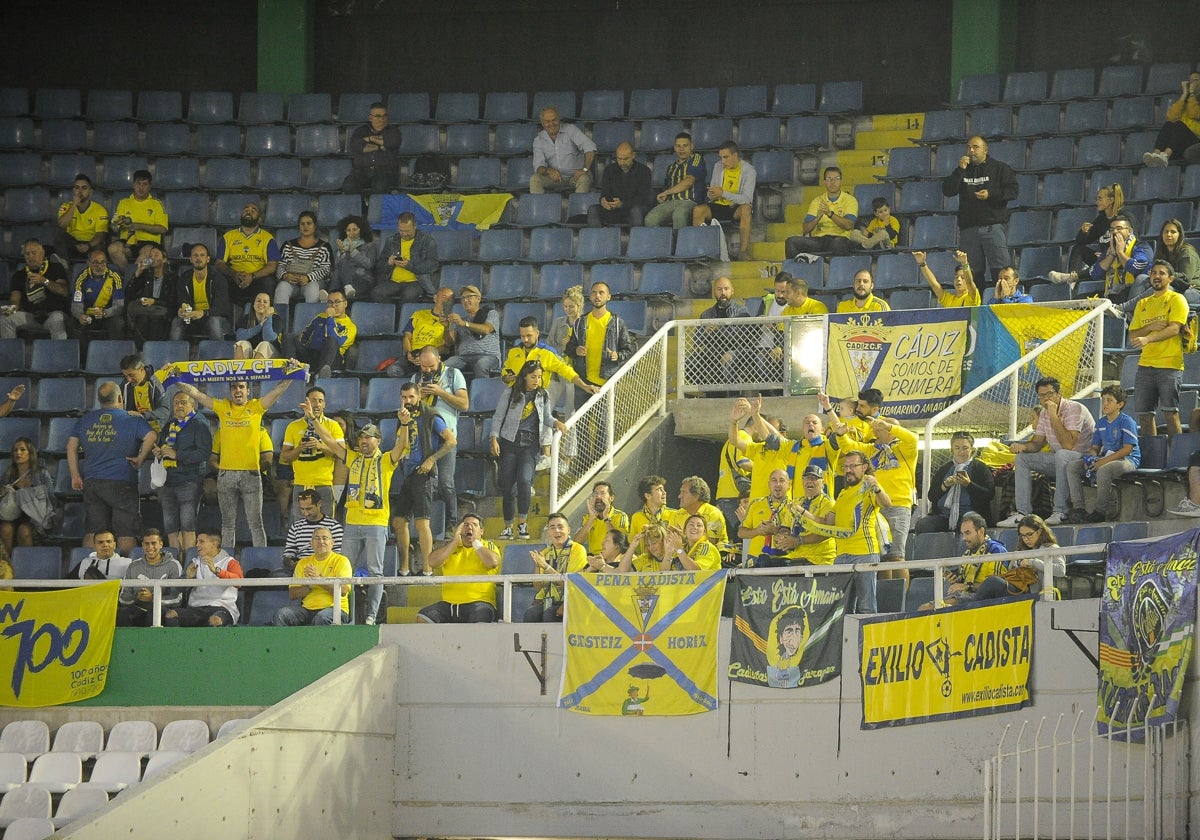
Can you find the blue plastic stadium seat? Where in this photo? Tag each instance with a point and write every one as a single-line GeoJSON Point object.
{"type": "Point", "coordinates": [601, 105]}
{"type": "Point", "coordinates": [1036, 262]}
{"type": "Point", "coordinates": [1156, 184]}
{"type": "Point", "coordinates": [908, 162]}
{"type": "Point", "coordinates": [555, 278]}
{"type": "Point", "coordinates": [978, 89]}
{"type": "Point", "coordinates": [1120, 80]}
{"type": "Point", "coordinates": [453, 245]}
{"type": "Point", "coordinates": [1063, 188]}
{"type": "Point", "coordinates": [420, 140]}
{"type": "Point", "coordinates": [618, 277]}
{"type": "Point", "coordinates": [563, 100]}
{"type": "Point", "coordinates": [865, 193]}
{"type": "Point", "coordinates": [187, 208]}
{"type": "Point", "coordinates": [1131, 113]}
{"type": "Point", "coordinates": [485, 394]}
{"type": "Point", "coordinates": [537, 210]}
{"type": "Point", "coordinates": [206, 106]}
{"type": "Point", "coordinates": [268, 140]}
{"type": "Point", "coordinates": [944, 125]}
{"type": "Point", "coordinates": [698, 243]}
{"type": "Point", "coordinates": [550, 245]}
{"type": "Point", "coordinates": [508, 106]}
{"type": "Point", "coordinates": [478, 174]}
{"type": "Point", "coordinates": [698, 102]}
{"type": "Point", "coordinates": [408, 107]}
{"type": "Point", "coordinates": [841, 97]}
{"type": "Point", "coordinates": [118, 171]}
{"type": "Point", "coordinates": [226, 173]}
{"type": "Point", "coordinates": [218, 140]}
{"type": "Point", "coordinates": [1012, 152]}
{"type": "Point", "coordinates": [177, 174]}
{"type": "Point", "coordinates": [466, 139]}
{"type": "Point", "coordinates": [500, 245]}
{"type": "Point", "coordinates": [37, 562]}
{"type": "Point", "coordinates": [911, 299]}
{"type": "Point", "coordinates": [1048, 153]}
{"type": "Point", "coordinates": [374, 318]}
{"type": "Point", "coordinates": [309, 108]}
{"type": "Point", "coordinates": [578, 203]}
{"type": "Point", "coordinates": [1085, 116]}
{"type": "Point", "coordinates": [278, 174]}
{"type": "Point", "coordinates": [159, 106]}
{"type": "Point", "coordinates": [934, 232]}
{"type": "Point", "coordinates": [794, 99]}
{"type": "Point", "coordinates": [58, 396]}
{"type": "Point", "coordinates": [1028, 86]}
{"type": "Point", "coordinates": [915, 197]}
{"type": "Point", "coordinates": [745, 100]}
{"type": "Point", "coordinates": [509, 282]}
{"type": "Point", "coordinates": [183, 238]}
{"type": "Point", "coordinates": [27, 204]}
{"type": "Point", "coordinates": [326, 174]}
{"type": "Point", "coordinates": [775, 167]}
{"type": "Point", "coordinates": [57, 103]}
{"type": "Point", "coordinates": [514, 139]}
{"type": "Point", "coordinates": [662, 278]}
{"type": "Point", "coordinates": [331, 208]}
{"type": "Point", "coordinates": [1039, 118]}
{"type": "Point", "coordinates": [659, 135]}
{"type": "Point", "coordinates": [843, 269]}
{"type": "Point", "coordinates": [649, 103]}
{"type": "Point", "coordinates": [64, 135]}
{"type": "Point", "coordinates": [1165, 78]}
{"type": "Point", "coordinates": [758, 133]}
{"type": "Point", "coordinates": [457, 107]}
{"type": "Point", "coordinates": [632, 312]}
{"type": "Point", "coordinates": [1162, 210]}
{"type": "Point", "coordinates": [456, 276]}
{"type": "Point", "coordinates": [109, 105]}
{"type": "Point", "coordinates": [21, 169]}
{"type": "Point", "coordinates": [1068, 220]}
{"type": "Point", "coordinates": [1073, 84]}
{"type": "Point", "coordinates": [711, 132]}
{"type": "Point", "coordinates": [994, 123]}
{"type": "Point", "coordinates": [1096, 150]}
{"type": "Point", "coordinates": [12, 428]}
{"type": "Point", "coordinates": [319, 140]}
{"type": "Point", "coordinates": [283, 209]}
{"type": "Point", "coordinates": [649, 243]}
{"type": "Point", "coordinates": [260, 108]}
{"type": "Point", "coordinates": [608, 135]}
{"type": "Point", "coordinates": [510, 319]}
{"type": "Point", "coordinates": [383, 396]}
{"type": "Point", "coordinates": [14, 102]}
{"type": "Point", "coordinates": [597, 244]}
{"type": "Point", "coordinates": [354, 107]}
{"type": "Point", "coordinates": [1028, 227]}
{"type": "Point", "coordinates": [16, 132]}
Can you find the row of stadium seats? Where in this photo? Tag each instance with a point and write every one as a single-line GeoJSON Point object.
{"type": "Point", "coordinates": [1076, 83]}
{"type": "Point", "coordinates": [1048, 154]}
{"type": "Point", "coordinates": [214, 107]}
{"type": "Point", "coordinates": [1044, 119]}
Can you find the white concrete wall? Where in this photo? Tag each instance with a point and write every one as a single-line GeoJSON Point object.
{"type": "Point", "coordinates": [316, 765]}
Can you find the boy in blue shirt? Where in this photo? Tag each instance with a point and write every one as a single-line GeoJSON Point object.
{"type": "Point", "coordinates": [1114, 452]}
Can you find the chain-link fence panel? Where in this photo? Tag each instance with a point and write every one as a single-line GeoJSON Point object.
{"type": "Point", "coordinates": [734, 354]}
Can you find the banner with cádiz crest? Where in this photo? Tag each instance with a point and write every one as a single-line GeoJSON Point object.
{"type": "Point", "coordinates": [641, 644]}
{"type": "Point", "coordinates": [787, 630]}
{"type": "Point", "coordinates": [1147, 618]}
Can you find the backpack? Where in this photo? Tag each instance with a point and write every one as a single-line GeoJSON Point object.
{"type": "Point", "coordinates": [430, 172]}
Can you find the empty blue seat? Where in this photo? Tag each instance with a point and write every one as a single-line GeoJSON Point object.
{"type": "Point", "coordinates": [598, 244]}
{"type": "Point", "coordinates": [16, 132]}
{"type": "Point", "coordinates": [1063, 188]}
{"type": "Point", "coordinates": [934, 232]}
{"type": "Point", "coordinates": [775, 167]}
{"type": "Point", "coordinates": [159, 106]}
{"type": "Point", "coordinates": [911, 299]}
{"type": "Point", "coordinates": [467, 139]}
{"type": "Point", "coordinates": [1120, 80]}
{"type": "Point", "coordinates": [513, 139]}
{"type": "Point", "coordinates": [60, 432]}
{"type": "Point", "coordinates": [12, 354]}
{"type": "Point", "coordinates": [319, 140]}
{"type": "Point", "coordinates": [183, 238]}
{"type": "Point", "coordinates": [617, 276]}
{"type": "Point", "coordinates": [1039, 118]}
{"type": "Point", "coordinates": [104, 356]}
{"type": "Point", "coordinates": [109, 105]}
{"type": "Point", "coordinates": [452, 245]}
{"type": "Point", "coordinates": [471, 477]}
{"type": "Point", "coordinates": [21, 169]}
{"type": "Point", "coordinates": [408, 107]}
{"type": "Point", "coordinates": [509, 282]}
{"type": "Point", "coordinates": [27, 204]}
{"type": "Point", "coordinates": [1107, 177]}
{"type": "Point", "coordinates": [745, 100]}
{"type": "Point", "coordinates": [57, 103]}
{"type": "Point", "coordinates": [1085, 116]}
{"type": "Point", "coordinates": [1132, 112]}
{"type": "Point", "coordinates": [1135, 146]}
{"type": "Point", "coordinates": [843, 269]}
{"type": "Point", "coordinates": [916, 197]}
{"type": "Point", "coordinates": [1073, 84]}
{"type": "Point", "coordinates": [455, 277]}
{"type": "Point", "coordinates": [1165, 78]}
{"type": "Point", "coordinates": [57, 396]}
{"type": "Point", "coordinates": [374, 318]}
{"type": "Point", "coordinates": [342, 392]}
{"type": "Point", "coordinates": [354, 107]}
{"type": "Point", "coordinates": [807, 132]}
{"type": "Point", "coordinates": [1038, 261]}
{"type": "Point", "coordinates": [12, 428]}
{"type": "Point", "coordinates": [260, 108]}
{"type": "Point", "coordinates": [841, 97]}
{"type": "Point", "coordinates": [177, 174]}
{"type": "Point", "coordinates": [168, 139]}
{"type": "Point", "coordinates": [500, 245]}
{"type": "Point", "coordinates": [555, 278]}
{"type": "Point", "coordinates": [1156, 184]}
{"type": "Point", "coordinates": [1160, 211]}
{"type": "Point", "coordinates": [64, 135]}
{"type": "Point", "coordinates": [758, 133]}
{"type": "Point", "coordinates": [663, 278]}
{"type": "Point", "coordinates": [372, 354]}
{"type": "Point", "coordinates": [1028, 227]}
{"type": "Point", "coordinates": [578, 203]}
{"type": "Point", "coordinates": [284, 208]}
{"type": "Point", "coordinates": [1098, 150]}
{"type": "Point", "coordinates": [331, 208]}
{"type": "Point", "coordinates": [646, 104]}
{"type": "Point", "coordinates": [550, 245]}
{"type": "Point", "coordinates": [14, 102]}
{"type": "Point", "coordinates": [326, 174]}
{"type": "Point", "coordinates": [310, 108]}
{"type": "Point", "coordinates": [608, 135]}
{"type": "Point", "coordinates": [187, 208]}
{"type": "Point", "coordinates": [794, 99]}
{"type": "Point", "coordinates": [649, 243]}
{"type": "Point", "coordinates": [1068, 220]}
{"type": "Point", "coordinates": [159, 353]}
{"type": "Point", "coordinates": [218, 140]}
{"type": "Point", "coordinates": [659, 135]}
{"type": "Point", "coordinates": [865, 193]}
{"type": "Point", "coordinates": [1012, 152]}
{"type": "Point", "coordinates": [1028, 86]}
{"type": "Point", "coordinates": [508, 106]}
{"type": "Point", "coordinates": [268, 140]}
{"type": "Point", "coordinates": [420, 140]}
{"type": "Point", "coordinates": [1052, 153]}
{"type": "Point", "coordinates": [206, 106]}
{"type": "Point", "coordinates": [711, 132]}
{"type": "Point", "coordinates": [510, 320]}
{"type": "Point", "coordinates": [37, 562]}
{"type": "Point", "coordinates": [563, 100]}
{"type": "Point", "coordinates": [226, 173]}
{"type": "Point", "coordinates": [537, 210]}
{"type": "Point", "coordinates": [944, 125]}
{"type": "Point", "coordinates": [602, 105]}
{"type": "Point", "coordinates": [908, 162]}
{"type": "Point", "coordinates": [278, 174]}
{"type": "Point", "coordinates": [1045, 292]}
{"type": "Point", "coordinates": [383, 396]}
{"type": "Point", "coordinates": [993, 123]}
{"type": "Point", "coordinates": [978, 89]}
{"type": "Point", "coordinates": [698, 243]}
{"type": "Point", "coordinates": [457, 107]}
{"type": "Point", "coordinates": [698, 102]}
{"type": "Point", "coordinates": [478, 174]}
{"type": "Point", "coordinates": [632, 312]}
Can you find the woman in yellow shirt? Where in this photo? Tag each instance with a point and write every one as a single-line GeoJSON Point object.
{"type": "Point", "coordinates": [691, 551]}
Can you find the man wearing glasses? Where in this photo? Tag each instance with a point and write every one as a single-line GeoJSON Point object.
{"type": "Point", "coordinates": [375, 150]}
{"type": "Point", "coordinates": [97, 300]}
{"type": "Point", "coordinates": [829, 221]}
{"type": "Point", "coordinates": [324, 342]}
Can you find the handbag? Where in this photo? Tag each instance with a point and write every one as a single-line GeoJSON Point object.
{"type": "Point", "coordinates": [158, 474]}
{"type": "Point", "coordinates": [36, 503]}
{"type": "Point", "coordinates": [10, 508]}
{"type": "Point", "coordinates": [741, 480]}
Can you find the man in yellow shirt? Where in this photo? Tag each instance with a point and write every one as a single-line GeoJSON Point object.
{"type": "Point", "coordinates": [406, 265]}
{"type": "Point", "coordinates": [248, 256]}
{"type": "Point", "coordinates": [1157, 320]}
{"type": "Point", "coordinates": [601, 518]}
{"type": "Point", "coordinates": [83, 224]}
{"type": "Point", "coordinates": [238, 477]}
{"type": "Point", "coordinates": [730, 195]}
{"type": "Point", "coordinates": [466, 553]}
{"type": "Point", "coordinates": [138, 220]}
{"type": "Point", "coordinates": [864, 299]}
{"type": "Point", "coordinates": [653, 491]}
{"type": "Point", "coordinates": [830, 219]}
{"type": "Point", "coordinates": [532, 347]}
{"type": "Point", "coordinates": [769, 526]}
{"type": "Point", "coordinates": [966, 293]}
{"type": "Point", "coordinates": [695, 499]}
{"type": "Point", "coordinates": [311, 460]}
{"type": "Point", "coordinates": [798, 301]}
{"type": "Point", "coordinates": [428, 328]}
{"type": "Point", "coordinates": [316, 600]}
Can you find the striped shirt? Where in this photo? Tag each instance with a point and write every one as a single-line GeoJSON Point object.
{"type": "Point", "coordinates": [299, 537]}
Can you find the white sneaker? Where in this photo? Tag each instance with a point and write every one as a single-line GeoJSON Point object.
{"type": "Point", "coordinates": [323, 296]}
{"type": "Point", "coordinates": [506, 534]}
{"type": "Point", "coordinates": [369, 620]}
{"type": "Point", "coordinates": [1012, 521]}
{"type": "Point", "coordinates": [1155, 159]}
{"type": "Point", "coordinates": [543, 463]}
{"type": "Point", "coordinates": [348, 291]}
{"type": "Point", "coordinates": [1056, 518]}
{"type": "Point", "coordinates": [1186, 507]}
{"type": "Point", "coordinates": [1061, 276]}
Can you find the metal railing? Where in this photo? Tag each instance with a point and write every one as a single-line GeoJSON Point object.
{"type": "Point", "coordinates": [1045, 781]}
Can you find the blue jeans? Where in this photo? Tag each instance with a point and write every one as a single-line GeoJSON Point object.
{"type": "Point", "coordinates": [246, 484]}
{"type": "Point", "coordinates": [180, 502]}
{"type": "Point", "coordinates": [1048, 464]}
{"type": "Point", "coordinates": [863, 600]}
{"type": "Point", "coordinates": [445, 485]}
{"type": "Point", "coordinates": [368, 541]}
{"type": "Point", "coordinates": [297, 616]}
{"type": "Point", "coordinates": [517, 461]}
{"type": "Point", "coordinates": [986, 243]}
{"type": "Point", "coordinates": [210, 326]}
{"type": "Point", "coordinates": [478, 364]}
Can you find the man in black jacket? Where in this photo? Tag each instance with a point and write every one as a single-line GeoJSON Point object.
{"type": "Point", "coordinates": [961, 484]}
{"type": "Point", "coordinates": [984, 187]}
{"type": "Point", "coordinates": [375, 150]}
{"type": "Point", "coordinates": [625, 192]}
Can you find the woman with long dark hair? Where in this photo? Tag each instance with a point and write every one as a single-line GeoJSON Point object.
{"type": "Point", "coordinates": [25, 469]}
{"type": "Point", "coordinates": [354, 257]}
{"type": "Point", "coordinates": [304, 263]}
{"type": "Point", "coordinates": [522, 428]}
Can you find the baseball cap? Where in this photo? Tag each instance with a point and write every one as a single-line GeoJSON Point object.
{"type": "Point", "coordinates": [371, 430]}
{"type": "Point", "coordinates": [814, 471]}
{"type": "Point", "coordinates": [469, 290]}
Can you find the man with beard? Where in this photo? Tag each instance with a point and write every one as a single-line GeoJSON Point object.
{"type": "Point", "coordinates": [201, 298]}
{"type": "Point", "coordinates": [984, 187]}
{"type": "Point", "coordinates": [718, 350]}
{"type": "Point", "coordinates": [864, 300]}
{"type": "Point", "coordinates": [1157, 321]}
{"type": "Point", "coordinates": [248, 256]}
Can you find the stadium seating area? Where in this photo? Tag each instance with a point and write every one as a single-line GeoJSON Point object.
{"type": "Point", "coordinates": [1066, 133]}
